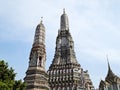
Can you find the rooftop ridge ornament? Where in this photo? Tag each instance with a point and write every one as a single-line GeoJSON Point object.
{"type": "Point", "coordinates": [107, 58]}
{"type": "Point", "coordinates": [108, 62]}
{"type": "Point", "coordinates": [111, 80]}
{"type": "Point", "coordinates": [110, 72]}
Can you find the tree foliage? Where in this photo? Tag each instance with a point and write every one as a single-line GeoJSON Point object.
{"type": "Point", "coordinates": [7, 78]}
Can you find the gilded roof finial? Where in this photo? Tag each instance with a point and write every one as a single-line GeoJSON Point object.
{"type": "Point", "coordinates": [110, 73]}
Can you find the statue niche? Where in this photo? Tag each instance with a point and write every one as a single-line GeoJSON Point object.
{"type": "Point", "coordinates": [40, 61]}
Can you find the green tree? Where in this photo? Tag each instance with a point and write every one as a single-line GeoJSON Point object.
{"type": "Point", "coordinates": [7, 78]}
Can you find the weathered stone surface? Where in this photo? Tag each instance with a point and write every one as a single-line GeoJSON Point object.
{"type": "Point", "coordinates": [65, 73]}
{"type": "Point", "coordinates": [36, 75]}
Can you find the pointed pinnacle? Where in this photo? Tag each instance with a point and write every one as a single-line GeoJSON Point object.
{"type": "Point", "coordinates": [41, 20]}
{"type": "Point", "coordinates": [108, 63]}
{"type": "Point", "coordinates": [63, 10]}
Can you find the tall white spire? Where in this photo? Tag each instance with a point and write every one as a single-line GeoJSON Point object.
{"type": "Point", "coordinates": [64, 24]}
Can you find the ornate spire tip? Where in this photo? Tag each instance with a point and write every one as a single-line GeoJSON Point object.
{"type": "Point", "coordinates": [107, 58]}
{"type": "Point", "coordinates": [63, 10]}
{"type": "Point", "coordinates": [41, 20]}
{"type": "Point", "coordinates": [108, 62]}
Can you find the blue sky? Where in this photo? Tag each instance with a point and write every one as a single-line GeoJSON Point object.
{"type": "Point", "coordinates": [94, 25]}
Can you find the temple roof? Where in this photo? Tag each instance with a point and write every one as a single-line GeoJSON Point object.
{"type": "Point", "coordinates": [111, 77]}
{"type": "Point", "coordinates": [102, 83]}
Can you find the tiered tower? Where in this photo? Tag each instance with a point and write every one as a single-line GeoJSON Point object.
{"type": "Point", "coordinates": [36, 75]}
{"type": "Point", "coordinates": [65, 73]}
